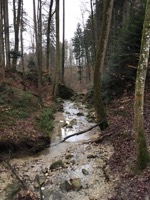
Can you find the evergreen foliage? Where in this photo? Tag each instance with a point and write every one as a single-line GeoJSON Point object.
{"type": "Point", "coordinates": [78, 44]}
{"type": "Point", "coordinates": [123, 53]}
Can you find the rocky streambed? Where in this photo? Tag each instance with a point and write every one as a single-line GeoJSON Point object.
{"type": "Point", "coordinates": [75, 169]}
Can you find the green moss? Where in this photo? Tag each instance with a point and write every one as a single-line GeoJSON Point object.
{"type": "Point", "coordinates": [142, 153]}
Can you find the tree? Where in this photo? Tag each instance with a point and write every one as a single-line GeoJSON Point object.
{"type": "Point", "coordinates": [6, 30]}
{"type": "Point", "coordinates": [57, 69]}
{"type": "Point", "coordinates": [16, 15]}
{"type": "Point", "coordinates": [63, 42]}
{"type": "Point", "coordinates": [39, 48]}
{"type": "Point", "coordinates": [99, 64]}
{"type": "Point", "coordinates": [142, 152]}
{"type": "Point", "coordinates": [22, 46]}
{"type": "Point", "coordinates": [2, 59]}
{"type": "Point", "coordinates": [48, 36]}
{"type": "Point", "coordinates": [78, 44]}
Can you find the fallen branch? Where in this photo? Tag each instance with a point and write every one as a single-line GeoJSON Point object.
{"type": "Point", "coordinates": [16, 175]}
{"type": "Point", "coordinates": [84, 131]}
{"type": "Point", "coordinates": [38, 181]}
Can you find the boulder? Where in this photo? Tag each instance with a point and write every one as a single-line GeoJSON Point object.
{"type": "Point", "coordinates": [64, 92]}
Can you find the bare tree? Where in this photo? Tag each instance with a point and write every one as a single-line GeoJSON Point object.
{"type": "Point", "coordinates": [142, 152]}
{"type": "Point", "coordinates": [39, 49]}
{"type": "Point", "coordinates": [37, 15]}
{"type": "Point", "coordinates": [16, 15]}
{"type": "Point", "coordinates": [48, 37]}
{"type": "Point", "coordinates": [63, 42]}
{"type": "Point", "coordinates": [22, 46]}
{"type": "Point", "coordinates": [6, 30]}
{"type": "Point", "coordinates": [57, 69]}
{"type": "Point", "coordinates": [2, 59]}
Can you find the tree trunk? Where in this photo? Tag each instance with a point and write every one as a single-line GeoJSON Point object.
{"type": "Point", "coordinates": [142, 152]}
{"type": "Point", "coordinates": [100, 57]}
{"type": "Point", "coordinates": [57, 68]}
{"type": "Point", "coordinates": [16, 30]}
{"type": "Point", "coordinates": [63, 43]}
{"type": "Point", "coordinates": [22, 47]}
{"type": "Point", "coordinates": [2, 63]}
{"type": "Point", "coordinates": [6, 29]}
{"type": "Point", "coordinates": [48, 38]}
{"type": "Point", "coordinates": [39, 48]}
{"type": "Point", "coordinates": [93, 33]}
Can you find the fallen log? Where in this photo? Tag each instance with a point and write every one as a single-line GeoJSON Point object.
{"type": "Point", "coordinates": [81, 132]}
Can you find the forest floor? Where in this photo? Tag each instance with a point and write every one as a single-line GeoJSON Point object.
{"type": "Point", "coordinates": [132, 184]}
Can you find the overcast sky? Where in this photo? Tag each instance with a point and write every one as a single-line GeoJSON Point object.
{"type": "Point", "coordinates": [73, 10]}
{"type": "Point", "coordinates": [73, 15]}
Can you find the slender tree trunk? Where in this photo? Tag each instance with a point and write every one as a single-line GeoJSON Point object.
{"type": "Point", "coordinates": [100, 57]}
{"type": "Point", "coordinates": [93, 33]}
{"type": "Point", "coordinates": [88, 73]}
{"type": "Point", "coordinates": [39, 48]}
{"type": "Point", "coordinates": [16, 29]}
{"type": "Point", "coordinates": [6, 29]}
{"type": "Point", "coordinates": [57, 69]}
{"type": "Point", "coordinates": [63, 43]}
{"type": "Point", "coordinates": [142, 152]}
{"type": "Point", "coordinates": [48, 37]}
{"type": "Point", "coordinates": [38, 40]}
{"type": "Point", "coordinates": [2, 63]}
{"type": "Point", "coordinates": [22, 47]}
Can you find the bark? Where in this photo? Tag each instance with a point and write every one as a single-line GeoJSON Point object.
{"type": "Point", "coordinates": [142, 152]}
{"type": "Point", "coordinates": [63, 44]}
{"type": "Point", "coordinates": [99, 65]}
{"type": "Point", "coordinates": [2, 63]}
{"type": "Point", "coordinates": [57, 68]}
{"type": "Point", "coordinates": [38, 39]}
{"type": "Point", "coordinates": [22, 47]}
{"type": "Point", "coordinates": [16, 14]}
{"type": "Point", "coordinates": [6, 29]}
{"type": "Point", "coordinates": [48, 37]}
{"type": "Point", "coordinates": [39, 50]}
{"type": "Point", "coordinates": [93, 31]}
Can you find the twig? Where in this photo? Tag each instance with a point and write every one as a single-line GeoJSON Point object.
{"type": "Point", "coordinates": [16, 175]}
{"type": "Point", "coordinates": [40, 190]}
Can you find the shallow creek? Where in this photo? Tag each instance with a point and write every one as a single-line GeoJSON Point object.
{"type": "Point", "coordinates": [84, 163]}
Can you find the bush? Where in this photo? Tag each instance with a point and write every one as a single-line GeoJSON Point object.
{"type": "Point", "coordinates": [45, 121]}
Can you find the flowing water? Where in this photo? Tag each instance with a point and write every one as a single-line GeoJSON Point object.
{"type": "Point", "coordinates": [75, 155]}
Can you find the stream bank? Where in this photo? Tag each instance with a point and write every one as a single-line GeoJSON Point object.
{"type": "Point", "coordinates": [81, 171]}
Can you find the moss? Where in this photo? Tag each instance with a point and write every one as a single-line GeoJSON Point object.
{"type": "Point", "coordinates": [57, 164]}
{"type": "Point", "coordinates": [142, 154]}
{"type": "Point", "coordinates": [104, 125]}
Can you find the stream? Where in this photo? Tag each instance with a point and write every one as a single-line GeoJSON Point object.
{"type": "Point", "coordinates": [81, 171]}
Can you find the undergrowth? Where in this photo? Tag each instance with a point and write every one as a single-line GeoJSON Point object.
{"type": "Point", "coordinates": [44, 121]}
{"type": "Point", "coordinates": [15, 105]}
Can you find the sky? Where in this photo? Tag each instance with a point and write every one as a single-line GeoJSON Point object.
{"type": "Point", "coordinates": [73, 10]}
{"type": "Point", "coordinates": [73, 16]}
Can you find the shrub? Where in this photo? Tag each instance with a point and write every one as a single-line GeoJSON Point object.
{"type": "Point", "coordinates": [45, 121]}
